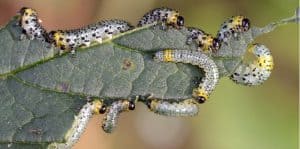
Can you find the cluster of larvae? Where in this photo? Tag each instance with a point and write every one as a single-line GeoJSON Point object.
{"type": "Point", "coordinates": [252, 73]}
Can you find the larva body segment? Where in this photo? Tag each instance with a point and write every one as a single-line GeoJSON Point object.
{"type": "Point", "coordinates": [31, 25]}
{"type": "Point", "coordinates": [233, 26]}
{"type": "Point", "coordinates": [111, 117]}
{"type": "Point", "coordinates": [187, 107]}
{"type": "Point", "coordinates": [206, 42]}
{"type": "Point", "coordinates": [166, 16]}
{"type": "Point", "coordinates": [258, 71]}
{"type": "Point", "coordinates": [71, 39]}
{"type": "Point", "coordinates": [79, 124]}
{"type": "Point", "coordinates": [201, 93]}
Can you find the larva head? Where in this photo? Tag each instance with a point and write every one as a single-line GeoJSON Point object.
{"type": "Point", "coordinates": [28, 16]}
{"type": "Point", "coordinates": [216, 44]}
{"type": "Point", "coordinates": [174, 19]}
{"type": "Point", "coordinates": [102, 110]}
{"type": "Point", "coordinates": [240, 23]}
{"type": "Point", "coordinates": [200, 95]}
{"type": "Point", "coordinates": [128, 105]}
{"type": "Point", "coordinates": [180, 21]}
{"type": "Point", "coordinates": [245, 24]}
{"type": "Point", "coordinates": [209, 43]}
{"type": "Point", "coordinates": [131, 105]}
{"type": "Point", "coordinates": [25, 11]}
{"type": "Point", "coordinates": [97, 106]}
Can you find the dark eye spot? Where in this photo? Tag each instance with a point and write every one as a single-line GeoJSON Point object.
{"type": "Point", "coordinates": [68, 40]}
{"type": "Point", "coordinates": [61, 39]}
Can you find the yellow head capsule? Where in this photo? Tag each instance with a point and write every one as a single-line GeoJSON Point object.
{"type": "Point", "coordinates": [240, 23]}
{"type": "Point", "coordinates": [175, 20]}
{"type": "Point", "coordinates": [200, 95]}
{"type": "Point", "coordinates": [27, 11]}
{"type": "Point", "coordinates": [97, 105]}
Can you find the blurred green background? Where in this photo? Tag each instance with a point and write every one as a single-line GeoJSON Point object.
{"type": "Point", "coordinates": [236, 117]}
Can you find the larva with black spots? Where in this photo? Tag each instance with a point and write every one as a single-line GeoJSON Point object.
{"type": "Point", "coordinates": [187, 107]}
{"type": "Point", "coordinates": [111, 117]}
{"type": "Point", "coordinates": [71, 39]}
{"type": "Point", "coordinates": [80, 123]}
{"type": "Point", "coordinates": [233, 26]}
{"type": "Point", "coordinates": [206, 42]}
{"type": "Point", "coordinates": [31, 25]}
{"type": "Point", "coordinates": [166, 16]}
{"type": "Point", "coordinates": [258, 71]}
{"type": "Point", "coordinates": [208, 84]}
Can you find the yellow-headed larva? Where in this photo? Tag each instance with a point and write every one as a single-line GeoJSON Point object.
{"type": "Point", "coordinates": [71, 39]}
{"type": "Point", "coordinates": [233, 25]}
{"type": "Point", "coordinates": [187, 107]}
{"type": "Point", "coordinates": [30, 24]}
{"type": "Point", "coordinates": [110, 119]}
{"type": "Point", "coordinates": [256, 72]}
{"type": "Point", "coordinates": [80, 122]}
{"type": "Point", "coordinates": [206, 42]}
{"type": "Point", "coordinates": [166, 16]}
{"type": "Point", "coordinates": [208, 84]}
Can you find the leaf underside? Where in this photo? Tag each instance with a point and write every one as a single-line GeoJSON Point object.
{"type": "Point", "coordinates": [40, 91]}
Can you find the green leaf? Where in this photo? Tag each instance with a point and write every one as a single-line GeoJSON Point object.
{"type": "Point", "coordinates": [41, 92]}
{"type": "Point", "coordinates": [33, 115]}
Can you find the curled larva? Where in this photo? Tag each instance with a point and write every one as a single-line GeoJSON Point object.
{"type": "Point", "coordinates": [110, 119]}
{"type": "Point", "coordinates": [71, 39]}
{"type": "Point", "coordinates": [233, 25]}
{"type": "Point", "coordinates": [79, 124]}
{"type": "Point", "coordinates": [31, 25]}
{"type": "Point", "coordinates": [166, 16]}
{"type": "Point", "coordinates": [208, 83]}
{"type": "Point", "coordinates": [258, 71]}
{"type": "Point", "coordinates": [206, 42]}
{"type": "Point", "coordinates": [187, 107]}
